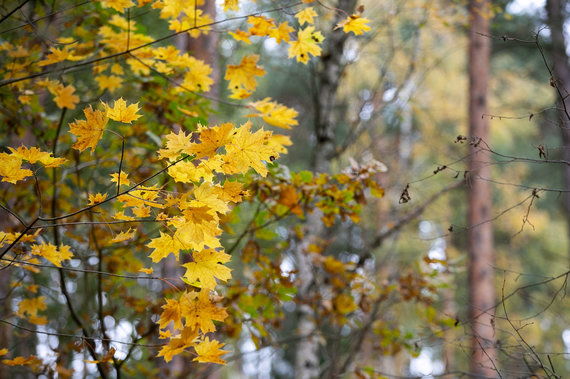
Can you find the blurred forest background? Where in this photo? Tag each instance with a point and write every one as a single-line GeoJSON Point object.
{"type": "Point", "coordinates": [391, 105]}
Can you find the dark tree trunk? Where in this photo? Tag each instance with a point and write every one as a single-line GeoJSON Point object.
{"type": "Point", "coordinates": [480, 236]}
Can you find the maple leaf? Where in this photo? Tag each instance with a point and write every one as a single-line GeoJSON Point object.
{"type": "Point", "coordinates": [163, 246]}
{"type": "Point", "coordinates": [111, 82]}
{"type": "Point", "coordinates": [123, 236]}
{"type": "Point", "coordinates": [89, 131]}
{"type": "Point", "coordinates": [20, 361]}
{"type": "Point", "coordinates": [210, 351]}
{"type": "Point", "coordinates": [96, 199]}
{"type": "Point", "coordinates": [199, 312]}
{"type": "Point", "coordinates": [211, 139]}
{"type": "Point", "coordinates": [206, 267]}
{"type": "Point", "coordinates": [198, 76]}
{"type": "Point", "coordinates": [274, 113]}
{"type": "Point", "coordinates": [242, 76]}
{"type": "Point", "coordinates": [261, 26]}
{"type": "Point", "coordinates": [11, 168]}
{"type": "Point", "coordinates": [355, 24]}
{"type": "Point", "coordinates": [240, 35]}
{"type": "Point", "coordinates": [118, 5]}
{"type": "Point", "coordinates": [171, 312]}
{"type": "Point", "coordinates": [178, 343]}
{"type": "Point", "coordinates": [206, 194]}
{"type": "Point", "coordinates": [124, 178]}
{"type": "Point", "coordinates": [121, 112]}
{"type": "Point", "coordinates": [175, 143]}
{"type": "Point", "coordinates": [231, 5]}
{"type": "Point", "coordinates": [248, 150]}
{"type": "Point", "coordinates": [52, 253]}
{"type": "Point", "coordinates": [64, 97]}
{"type": "Point", "coordinates": [230, 191]}
{"type": "Point", "coordinates": [31, 307]}
{"type": "Point", "coordinates": [306, 44]}
{"type": "Point", "coordinates": [3, 351]}
{"type": "Point", "coordinates": [306, 16]}
{"type": "Point", "coordinates": [198, 228]}
{"type": "Point", "coordinates": [282, 32]}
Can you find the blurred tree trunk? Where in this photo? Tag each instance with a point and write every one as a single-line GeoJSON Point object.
{"type": "Point", "coordinates": [326, 80]}
{"type": "Point", "coordinates": [555, 18]}
{"type": "Point", "coordinates": [480, 235]}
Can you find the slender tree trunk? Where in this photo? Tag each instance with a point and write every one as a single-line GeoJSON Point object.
{"type": "Point", "coordinates": [326, 79]}
{"type": "Point", "coordinates": [555, 12]}
{"type": "Point", "coordinates": [480, 236]}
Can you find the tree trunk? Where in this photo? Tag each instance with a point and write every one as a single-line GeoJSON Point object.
{"type": "Point", "coordinates": [480, 236]}
{"type": "Point", "coordinates": [555, 14]}
{"type": "Point", "coordinates": [327, 78]}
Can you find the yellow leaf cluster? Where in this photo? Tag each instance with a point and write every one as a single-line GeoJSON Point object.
{"type": "Point", "coordinates": [52, 253]}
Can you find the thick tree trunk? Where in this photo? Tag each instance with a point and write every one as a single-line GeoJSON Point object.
{"type": "Point", "coordinates": [555, 12]}
{"type": "Point", "coordinates": [480, 236]}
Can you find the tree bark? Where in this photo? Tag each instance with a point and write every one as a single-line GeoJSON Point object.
{"type": "Point", "coordinates": [561, 69]}
{"type": "Point", "coordinates": [480, 235]}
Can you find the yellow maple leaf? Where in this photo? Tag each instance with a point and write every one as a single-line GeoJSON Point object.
{"type": "Point", "coordinates": [111, 82]}
{"type": "Point", "coordinates": [211, 138]}
{"type": "Point", "coordinates": [52, 253]}
{"type": "Point", "coordinates": [123, 236]}
{"type": "Point", "coordinates": [178, 343]}
{"type": "Point", "coordinates": [172, 312]}
{"type": "Point", "coordinates": [20, 361]}
{"type": "Point", "coordinates": [282, 32]}
{"type": "Point", "coordinates": [64, 97]}
{"type": "Point", "coordinates": [206, 267]}
{"type": "Point", "coordinates": [175, 144]}
{"type": "Point", "coordinates": [306, 45]}
{"type": "Point", "coordinates": [248, 150]}
{"type": "Point", "coordinates": [89, 131]}
{"type": "Point", "coordinates": [231, 5]}
{"type": "Point", "coordinates": [31, 307]}
{"type": "Point", "coordinates": [240, 35]}
{"type": "Point", "coordinates": [147, 270]}
{"type": "Point", "coordinates": [124, 178]}
{"type": "Point", "coordinates": [210, 351]}
{"type": "Point", "coordinates": [199, 311]}
{"type": "Point", "coordinates": [11, 168]}
{"type": "Point", "coordinates": [163, 246]}
{"type": "Point", "coordinates": [242, 76]}
{"type": "Point", "coordinates": [97, 198]}
{"type": "Point", "coordinates": [197, 78]}
{"type": "Point", "coordinates": [33, 155]}
{"type": "Point", "coordinates": [118, 5]}
{"type": "Point", "coordinates": [274, 113]}
{"type": "Point", "coordinates": [355, 24]}
{"type": "Point", "coordinates": [261, 26]}
{"type": "Point", "coordinates": [306, 16]}
{"type": "Point", "coordinates": [3, 351]}
{"type": "Point", "coordinates": [198, 228]}
{"type": "Point", "coordinates": [121, 112]}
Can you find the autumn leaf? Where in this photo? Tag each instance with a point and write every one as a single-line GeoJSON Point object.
{"type": "Point", "coordinates": [211, 139]}
{"type": "Point", "coordinates": [210, 351]}
{"type": "Point", "coordinates": [248, 150]}
{"type": "Point", "coordinates": [261, 26]}
{"type": "Point", "coordinates": [242, 76]}
{"type": "Point", "coordinates": [121, 112]}
{"type": "Point", "coordinates": [306, 16]}
{"type": "Point", "coordinates": [355, 24]}
{"type": "Point", "coordinates": [31, 307]}
{"type": "Point", "coordinates": [282, 32]}
{"type": "Point", "coordinates": [97, 198]}
{"type": "Point", "coordinates": [33, 155]}
{"type": "Point", "coordinates": [123, 236]}
{"type": "Point", "coordinates": [240, 35]}
{"type": "Point", "coordinates": [111, 82]}
{"type": "Point", "coordinates": [89, 131]}
{"type": "Point", "coordinates": [64, 97]}
{"type": "Point", "coordinates": [206, 267]}
{"type": "Point", "coordinates": [199, 312]}
{"type": "Point", "coordinates": [306, 45]}
{"type": "Point", "coordinates": [123, 178]}
{"type": "Point", "coordinates": [172, 312]}
{"type": "Point", "coordinates": [52, 253]}
{"type": "Point", "coordinates": [163, 246]}
{"type": "Point", "coordinates": [11, 168]}
{"type": "Point", "coordinates": [274, 113]}
{"type": "Point", "coordinates": [118, 5]}
{"type": "Point", "coordinates": [3, 351]}
{"type": "Point", "coordinates": [231, 5]}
